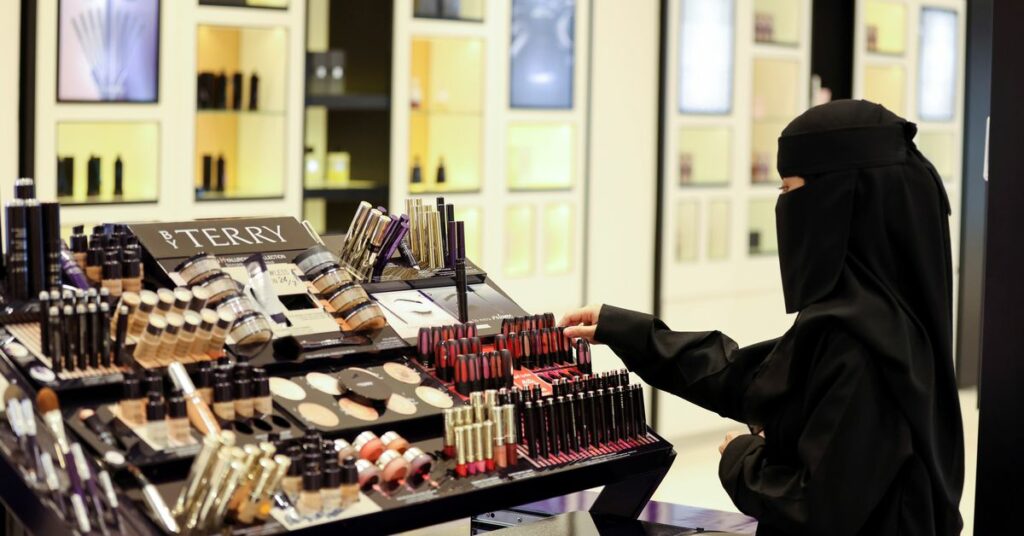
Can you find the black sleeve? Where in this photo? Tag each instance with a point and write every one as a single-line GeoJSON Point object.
{"type": "Point", "coordinates": [849, 451]}
{"type": "Point", "coordinates": [706, 368]}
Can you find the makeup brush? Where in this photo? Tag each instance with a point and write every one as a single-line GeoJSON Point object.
{"type": "Point", "coordinates": [48, 405]}
{"type": "Point", "coordinates": [32, 449]}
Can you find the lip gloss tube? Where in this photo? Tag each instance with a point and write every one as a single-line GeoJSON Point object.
{"type": "Point", "coordinates": [594, 413]}
{"type": "Point", "coordinates": [582, 421]}
{"type": "Point", "coordinates": [641, 413]}
{"type": "Point", "coordinates": [463, 446]}
{"type": "Point", "coordinates": [554, 426]}
{"type": "Point", "coordinates": [479, 464]}
{"type": "Point", "coordinates": [449, 432]}
{"type": "Point", "coordinates": [423, 347]}
{"type": "Point", "coordinates": [498, 433]}
{"type": "Point", "coordinates": [531, 429]}
{"type": "Point", "coordinates": [510, 425]}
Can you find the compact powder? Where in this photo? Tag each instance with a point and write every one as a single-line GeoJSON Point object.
{"type": "Point", "coordinates": [315, 258]}
{"type": "Point", "coordinates": [329, 280]}
{"type": "Point", "coordinates": [220, 286]}
{"type": "Point", "coordinates": [402, 373]}
{"type": "Point", "coordinates": [401, 405]}
{"type": "Point", "coordinates": [364, 388]}
{"type": "Point", "coordinates": [355, 409]}
{"type": "Point", "coordinates": [197, 266]}
{"type": "Point", "coordinates": [286, 389]}
{"type": "Point", "coordinates": [366, 317]}
{"type": "Point", "coordinates": [434, 397]}
{"type": "Point", "coordinates": [324, 383]}
{"type": "Point", "coordinates": [318, 415]}
{"type": "Point", "coordinates": [251, 329]}
{"type": "Point", "coordinates": [347, 297]}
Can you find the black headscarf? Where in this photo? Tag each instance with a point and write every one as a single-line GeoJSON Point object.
{"type": "Point", "coordinates": [865, 243]}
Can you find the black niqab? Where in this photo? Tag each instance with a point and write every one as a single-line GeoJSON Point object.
{"type": "Point", "coordinates": [866, 243]}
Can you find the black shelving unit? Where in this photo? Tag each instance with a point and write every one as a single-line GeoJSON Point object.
{"type": "Point", "coordinates": [358, 120]}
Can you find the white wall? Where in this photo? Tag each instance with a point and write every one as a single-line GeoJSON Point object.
{"type": "Point", "coordinates": [10, 33]}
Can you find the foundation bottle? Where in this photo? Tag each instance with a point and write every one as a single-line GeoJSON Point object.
{"type": "Point", "coordinates": [112, 277]}
{"type": "Point", "coordinates": [220, 333]}
{"type": "Point", "coordinates": [262, 403]}
{"type": "Point", "coordinates": [169, 338]}
{"type": "Point", "coordinates": [156, 422]}
{"type": "Point", "coordinates": [177, 420]}
{"type": "Point", "coordinates": [204, 382]}
{"type": "Point", "coordinates": [164, 301]}
{"type": "Point", "coordinates": [133, 404]}
{"type": "Point", "coordinates": [140, 317]}
{"type": "Point", "coordinates": [94, 265]}
{"type": "Point", "coordinates": [224, 402]}
{"type": "Point", "coordinates": [310, 500]}
{"type": "Point", "coordinates": [145, 350]}
{"type": "Point", "coordinates": [79, 246]}
{"type": "Point", "coordinates": [243, 398]}
{"type": "Point", "coordinates": [330, 493]}
{"type": "Point", "coordinates": [183, 348]}
{"type": "Point", "coordinates": [292, 482]}
{"type": "Point", "coordinates": [182, 297]}
{"type": "Point", "coordinates": [203, 334]}
{"type": "Point", "coordinates": [131, 275]}
{"type": "Point", "coordinates": [349, 482]}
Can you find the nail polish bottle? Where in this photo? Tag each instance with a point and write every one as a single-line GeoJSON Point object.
{"type": "Point", "coordinates": [224, 402]}
{"type": "Point", "coordinates": [243, 398]}
{"type": "Point", "coordinates": [310, 500]}
{"type": "Point", "coordinates": [262, 403]}
{"type": "Point", "coordinates": [133, 404]}
{"type": "Point", "coordinates": [349, 482]}
{"type": "Point", "coordinates": [156, 422]}
{"type": "Point", "coordinates": [330, 493]}
{"type": "Point", "coordinates": [177, 420]}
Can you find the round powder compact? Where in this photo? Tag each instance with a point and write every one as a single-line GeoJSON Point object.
{"type": "Point", "coordinates": [239, 304]}
{"type": "Point", "coordinates": [363, 388]}
{"type": "Point", "coordinates": [401, 405]}
{"type": "Point", "coordinates": [368, 445]}
{"type": "Point", "coordinates": [369, 475]}
{"type": "Point", "coordinates": [324, 383]}
{"type": "Point", "coordinates": [347, 297]}
{"type": "Point", "coordinates": [434, 397]}
{"type": "Point", "coordinates": [393, 441]}
{"type": "Point", "coordinates": [420, 463]}
{"type": "Point", "coordinates": [318, 415]}
{"type": "Point", "coordinates": [402, 373]}
{"type": "Point", "coordinates": [220, 286]}
{"type": "Point", "coordinates": [329, 280]}
{"type": "Point", "coordinates": [366, 317]}
{"type": "Point", "coordinates": [197, 267]}
{"type": "Point", "coordinates": [251, 329]}
{"type": "Point", "coordinates": [315, 258]}
{"type": "Point", "coordinates": [287, 389]}
{"type": "Point", "coordinates": [356, 410]}
{"type": "Point", "coordinates": [393, 467]}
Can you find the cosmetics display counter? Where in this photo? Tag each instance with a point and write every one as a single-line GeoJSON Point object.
{"type": "Point", "coordinates": [250, 376]}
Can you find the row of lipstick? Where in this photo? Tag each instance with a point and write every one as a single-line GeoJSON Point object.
{"type": "Point", "coordinates": [544, 348]}
{"type": "Point", "coordinates": [517, 324]}
{"type": "Point", "coordinates": [74, 330]}
{"type": "Point", "coordinates": [482, 436]}
{"type": "Point", "coordinates": [429, 340]}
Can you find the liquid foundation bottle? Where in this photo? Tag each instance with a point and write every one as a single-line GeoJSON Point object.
{"type": "Point", "coordinates": [204, 383]}
{"type": "Point", "coordinates": [220, 333]}
{"type": "Point", "coordinates": [131, 275]}
{"type": "Point", "coordinates": [182, 349]}
{"type": "Point", "coordinates": [112, 277]}
{"type": "Point", "coordinates": [133, 404]}
{"type": "Point", "coordinates": [94, 265]}
{"type": "Point", "coordinates": [79, 246]}
{"type": "Point", "coordinates": [145, 350]}
{"type": "Point", "coordinates": [349, 482]}
{"type": "Point", "coordinates": [310, 501]}
{"type": "Point", "coordinates": [224, 402]}
{"type": "Point", "coordinates": [203, 334]}
{"type": "Point", "coordinates": [177, 420]}
{"type": "Point", "coordinates": [262, 403]}
{"type": "Point", "coordinates": [140, 317]}
{"type": "Point", "coordinates": [165, 301]}
{"type": "Point", "coordinates": [169, 338]}
{"type": "Point", "coordinates": [330, 493]}
{"type": "Point", "coordinates": [243, 398]}
{"type": "Point", "coordinates": [182, 297]}
{"type": "Point", "coordinates": [156, 422]}
{"type": "Point", "coordinates": [292, 482]}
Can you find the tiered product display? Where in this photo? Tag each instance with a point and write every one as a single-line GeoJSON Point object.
{"type": "Point", "coordinates": [216, 375]}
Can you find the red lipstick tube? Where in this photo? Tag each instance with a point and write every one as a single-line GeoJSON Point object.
{"type": "Point", "coordinates": [461, 443]}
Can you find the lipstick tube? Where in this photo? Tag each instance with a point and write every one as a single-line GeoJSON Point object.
{"type": "Point", "coordinates": [449, 432]}
{"type": "Point", "coordinates": [423, 348]}
{"type": "Point", "coordinates": [641, 413]}
{"type": "Point", "coordinates": [571, 422]}
{"type": "Point", "coordinates": [582, 421]}
{"type": "Point", "coordinates": [488, 445]}
{"type": "Point", "coordinates": [595, 419]}
{"type": "Point", "coordinates": [461, 287]}
{"type": "Point", "coordinates": [461, 443]}
{"type": "Point", "coordinates": [479, 464]}
{"type": "Point", "coordinates": [511, 426]}
{"type": "Point", "coordinates": [554, 419]}
{"type": "Point", "coordinates": [531, 429]}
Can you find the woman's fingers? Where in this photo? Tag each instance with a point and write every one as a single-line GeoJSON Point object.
{"type": "Point", "coordinates": [585, 315]}
{"type": "Point", "coordinates": [582, 332]}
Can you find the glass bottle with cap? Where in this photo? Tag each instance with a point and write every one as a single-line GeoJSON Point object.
{"type": "Point", "coordinates": [349, 482]}
{"type": "Point", "coordinates": [331, 490]}
{"type": "Point", "coordinates": [177, 420]}
{"type": "Point", "coordinates": [310, 500]}
{"type": "Point", "coordinates": [156, 422]}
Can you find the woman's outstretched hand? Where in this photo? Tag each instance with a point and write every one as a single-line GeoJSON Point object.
{"type": "Point", "coordinates": [582, 323]}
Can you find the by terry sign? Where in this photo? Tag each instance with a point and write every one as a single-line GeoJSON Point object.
{"type": "Point", "coordinates": [222, 237]}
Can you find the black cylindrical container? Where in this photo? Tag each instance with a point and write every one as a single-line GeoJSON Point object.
{"type": "Point", "coordinates": [236, 91]}
{"type": "Point", "coordinates": [254, 84]}
{"type": "Point", "coordinates": [93, 177]}
{"type": "Point", "coordinates": [118, 177]}
{"type": "Point", "coordinates": [207, 173]}
{"type": "Point", "coordinates": [36, 252]}
{"type": "Point", "coordinates": [52, 244]}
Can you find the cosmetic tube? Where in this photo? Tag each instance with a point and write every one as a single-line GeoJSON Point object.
{"type": "Point", "coordinates": [199, 413]}
{"type": "Point", "coordinates": [461, 467]}
{"type": "Point", "coordinates": [262, 402]}
{"type": "Point", "coordinates": [479, 447]}
{"type": "Point", "coordinates": [225, 319]}
{"type": "Point", "coordinates": [449, 432]}
{"type": "Point", "coordinates": [156, 422]}
{"type": "Point", "coordinates": [198, 473]}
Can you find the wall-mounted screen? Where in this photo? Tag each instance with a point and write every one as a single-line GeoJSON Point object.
{"type": "Point", "coordinates": [706, 29]}
{"type": "Point", "coordinates": [936, 80]}
{"type": "Point", "coordinates": [108, 50]}
{"type": "Point", "coordinates": [541, 53]}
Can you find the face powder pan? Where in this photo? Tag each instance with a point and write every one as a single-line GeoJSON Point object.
{"type": "Point", "coordinates": [326, 282]}
{"type": "Point", "coordinates": [357, 411]}
{"type": "Point", "coordinates": [401, 405]}
{"type": "Point", "coordinates": [251, 329]}
{"type": "Point", "coordinates": [363, 388]}
{"type": "Point", "coordinates": [369, 446]}
{"type": "Point", "coordinates": [366, 317]}
{"type": "Point", "coordinates": [324, 383]}
{"type": "Point", "coordinates": [402, 373]}
{"type": "Point", "coordinates": [393, 441]}
{"type": "Point", "coordinates": [315, 258]}
{"type": "Point", "coordinates": [318, 415]}
{"type": "Point", "coordinates": [347, 297]}
{"type": "Point", "coordinates": [393, 467]}
{"type": "Point", "coordinates": [197, 267]}
{"type": "Point", "coordinates": [287, 389]}
{"type": "Point", "coordinates": [220, 286]}
{"type": "Point", "coordinates": [369, 475]}
{"type": "Point", "coordinates": [435, 397]}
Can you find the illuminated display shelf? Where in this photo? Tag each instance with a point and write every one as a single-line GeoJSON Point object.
{"type": "Point", "coordinates": [135, 145]}
{"type": "Point", "coordinates": [160, 161]}
{"type": "Point", "coordinates": [519, 168]}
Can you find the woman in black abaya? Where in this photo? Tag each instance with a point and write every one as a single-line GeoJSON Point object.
{"type": "Point", "coordinates": [855, 410]}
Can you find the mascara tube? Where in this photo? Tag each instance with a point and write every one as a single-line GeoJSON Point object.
{"type": "Point", "coordinates": [17, 250]}
{"type": "Point", "coordinates": [52, 245]}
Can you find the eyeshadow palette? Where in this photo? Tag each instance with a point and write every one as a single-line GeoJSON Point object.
{"type": "Point", "coordinates": [395, 395]}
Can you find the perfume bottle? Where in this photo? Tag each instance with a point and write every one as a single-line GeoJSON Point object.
{"type": "Point", "coordinates": [118, 177]}
{"type": "Point", "coordinates": [441, 178]}
{"type": "Point", "coordinates": [417, 172]}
